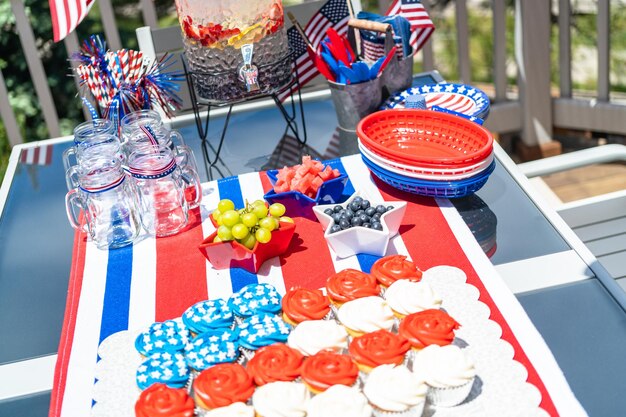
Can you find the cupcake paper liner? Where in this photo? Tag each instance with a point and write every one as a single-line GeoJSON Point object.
{"type": "Point", "coordinates": [449, 397]}
{"type": "Point", "coordinates": [415, 411]}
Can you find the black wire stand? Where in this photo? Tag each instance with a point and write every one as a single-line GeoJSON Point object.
{"type": "Point", "coordinates": [290, 117]}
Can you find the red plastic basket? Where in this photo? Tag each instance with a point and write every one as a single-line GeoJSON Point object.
{"type": "Point", "coordinates": [425, 137]}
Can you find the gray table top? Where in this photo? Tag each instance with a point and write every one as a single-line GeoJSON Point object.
{"type": "Point", "coordinates": [581, 321]}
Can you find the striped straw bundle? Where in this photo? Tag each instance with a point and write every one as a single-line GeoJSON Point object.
{"type": "Point", "coordinates": [121, 82]}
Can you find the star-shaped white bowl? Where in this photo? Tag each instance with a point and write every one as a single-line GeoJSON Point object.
{"type": "Point", "coordinates": [360, 239]}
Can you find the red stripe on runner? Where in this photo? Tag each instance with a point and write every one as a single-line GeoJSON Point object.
{"type": "Point", "coordinates": [69, 323]}
{"type": "Point", "coordinates": [424, 221]}
{"type": "Point", "coordinates": [305, 266]}
{"type": "Point", "coordinates": [178, 288]}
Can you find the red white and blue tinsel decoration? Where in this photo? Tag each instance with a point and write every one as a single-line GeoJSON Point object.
{"type": "Point", "coordinates": [121, 82]}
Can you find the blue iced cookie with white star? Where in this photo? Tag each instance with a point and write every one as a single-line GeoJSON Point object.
{"type": "Point", "coordinates": [168, 336]}
{"type": "Point", "coordinates": [165, 367]}
{"type": "Point", "coordinates": [255, 299]}
{"type": "Point", "coordinates": [262, 330]}
{"type": "Point", "coordinates": [212, 347]}
{"type": "Point", "coordinates": [208, 315]}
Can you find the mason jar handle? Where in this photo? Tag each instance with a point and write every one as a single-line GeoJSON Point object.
{"type": "Point", "coordinates": [66, 157]}
{"type": "Point", "coordinates": [175, 134]}
{"type": "Point", "coordinates": [71, 178]}
{"type": "Point", "coordinates": [73, 200]}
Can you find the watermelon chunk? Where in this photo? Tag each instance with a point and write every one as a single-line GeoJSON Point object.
{"type": "Point", "coordinates": [305, 178]}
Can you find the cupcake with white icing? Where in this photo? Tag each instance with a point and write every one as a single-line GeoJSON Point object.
{"type": "Point", "coordinates": [237, 409]}
{"type": "Point", "coordinates": [448, 371]}
{"type": "Point", "coordinates": [339, 400]}
{"type": "Point", "coordinates": [281, 399]}
{"type": "Point", "coordinates": [394, 391]}
{"type": "Point", "coordinates": [310, 337]}
{"type": "Point", "coordinates": [407, 297]}
{"type": "Point", "coordinates": [365, 315]}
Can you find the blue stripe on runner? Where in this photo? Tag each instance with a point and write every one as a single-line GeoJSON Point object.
{"type": "Point", "coordinates": [116, 304]}
{"type": "Point", "coordinates": [365, 261]}
{"type": "Point", "coordinates": [231, 189]}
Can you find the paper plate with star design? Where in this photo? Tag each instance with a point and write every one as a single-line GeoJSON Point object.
{"type": "Point", "coordinates": [461, 98]}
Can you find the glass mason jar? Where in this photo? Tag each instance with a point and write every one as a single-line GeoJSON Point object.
{"type": "Point", "coordinates": [92, 147]}
{"type": "Point", "coordinates": [160, 184]}
{"type": "Point", "coordinates": [220, 35]}
{"type": "Point", "coordinates": [108, 203]}
{"type": "Point", "coordinates": [92, 128]}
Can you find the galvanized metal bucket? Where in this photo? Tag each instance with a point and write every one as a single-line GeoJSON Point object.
{"type": "Point", "coordinates": [398, 76]}
{"type": "Point", "coordinates": [354, 101]}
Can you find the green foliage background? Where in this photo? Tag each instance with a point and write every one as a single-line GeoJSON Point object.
{"type": "Point", "coordinates": [28, 112]}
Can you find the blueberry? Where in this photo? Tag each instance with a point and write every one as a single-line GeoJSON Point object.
{"type": "Point", "coordinates": [337, 217]}
{"type": "Point", "coordinates": [345, 224]}
{"type": "Point", "coordinates": [337, 208]}
{"type": "Point", "coordinates": [357, 199]}
{"type": "Point", "coordinates": [329, 211]}
{"type": "Point", "coordinates": [335, 228]}
{"type": "Point", "coordinates": [356, 221]}
{"type": "Point", "coordinates": [359, 212]}
{"type": "Point", "coordinates": [370, 211]}
{"type": "Point", "coordinates": [364, 218]}
{"type": "Point", "coordinates": [365, 204]}
{"type": "Point", "coordinates": [354, 206]}
{"type": "Point", "coordinates": [367, 225]}
{"type": "Point", "coordinates": [376, 217]}
{"type": "Point", "coordinates": [377, 226]}
{"type": "Point", "coordinates": [389, 208]}
{"type": "Point", "coordinates": [381, 209]}
{"type": "Point", "coordinates": [349, 214]}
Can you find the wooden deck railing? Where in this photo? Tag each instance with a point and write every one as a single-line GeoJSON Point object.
{"type": "Point", "coordinates": [534, 112]}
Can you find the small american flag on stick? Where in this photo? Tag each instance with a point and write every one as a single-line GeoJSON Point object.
{"type": "Point", "coordinates": [333, 14]}
{"type": "Point", "coordinates": [66, 15]}
{"type": "Point", "coordinates": [415, 12]}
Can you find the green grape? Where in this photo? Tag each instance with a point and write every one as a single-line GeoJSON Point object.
{"type": "Point", "coordinates": [240, 231]}
{"type": "Point", "coordinates": [225, 205]}
{"type": "Point", "coordinates": [286, 219]}
{"type": "Point", "coordinates": [217, 239]}
{"type": "Point", "coordinates": [230, 218]}
{"type": "Point", "coordinates": [220, 221]}
{"type": "Point", "coordinates": [263, 235]}
{"type": "Point", "coordinates": [249, 219]}
{"type": "Point", "coordinates": [277, 210]}
{"type": "Point", "coordinates": [216, 215]}
{"type": "Point", "coordinates": [249, 241]}
{"type": "Point", "coordinates": [258, 203]}
{"type": "Point", "coordinates": [260, 211]}
{"type": "Point", "coordinates": [267, 223]}
{"type": "Point", "coordinates": [225, 233]}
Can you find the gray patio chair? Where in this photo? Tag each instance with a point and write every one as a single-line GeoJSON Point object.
{"type": "Point", "coordinates": [599, 221]}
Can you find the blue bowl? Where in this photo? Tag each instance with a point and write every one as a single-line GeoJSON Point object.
{"type": "Point", "coordinates": [301, 205]}
{"type": "Point", "coordinates": [447, 189]}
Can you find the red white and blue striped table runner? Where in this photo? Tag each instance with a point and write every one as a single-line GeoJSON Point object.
{"type": "Point", "coordinates": [157, 279]}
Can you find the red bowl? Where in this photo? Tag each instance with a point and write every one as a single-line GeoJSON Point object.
{"type": "Point", "coordinates": [425, 138]}
{"type": "Point", "coordinates": [232, 254]}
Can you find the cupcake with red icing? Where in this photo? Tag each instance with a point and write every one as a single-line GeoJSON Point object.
{"type": "Point", "coordinates": [378, 348]}
{"type": "Point", "coordinates": [222, 385]}
{"type": "Point", "coordinates": [302, 304]}
{"type": "Point", "coordinates": [159, 400]}
{"type": "Point", "coordinates": [391, 268]}
{"type": "Point", "coordinates": [277, 362]}
{"type": "Point", "coordinates": [326, 368]}
{"type": "Point", "coordinates": [350, 284]}
{"type": "Point", "coordinates": [428, 327]}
